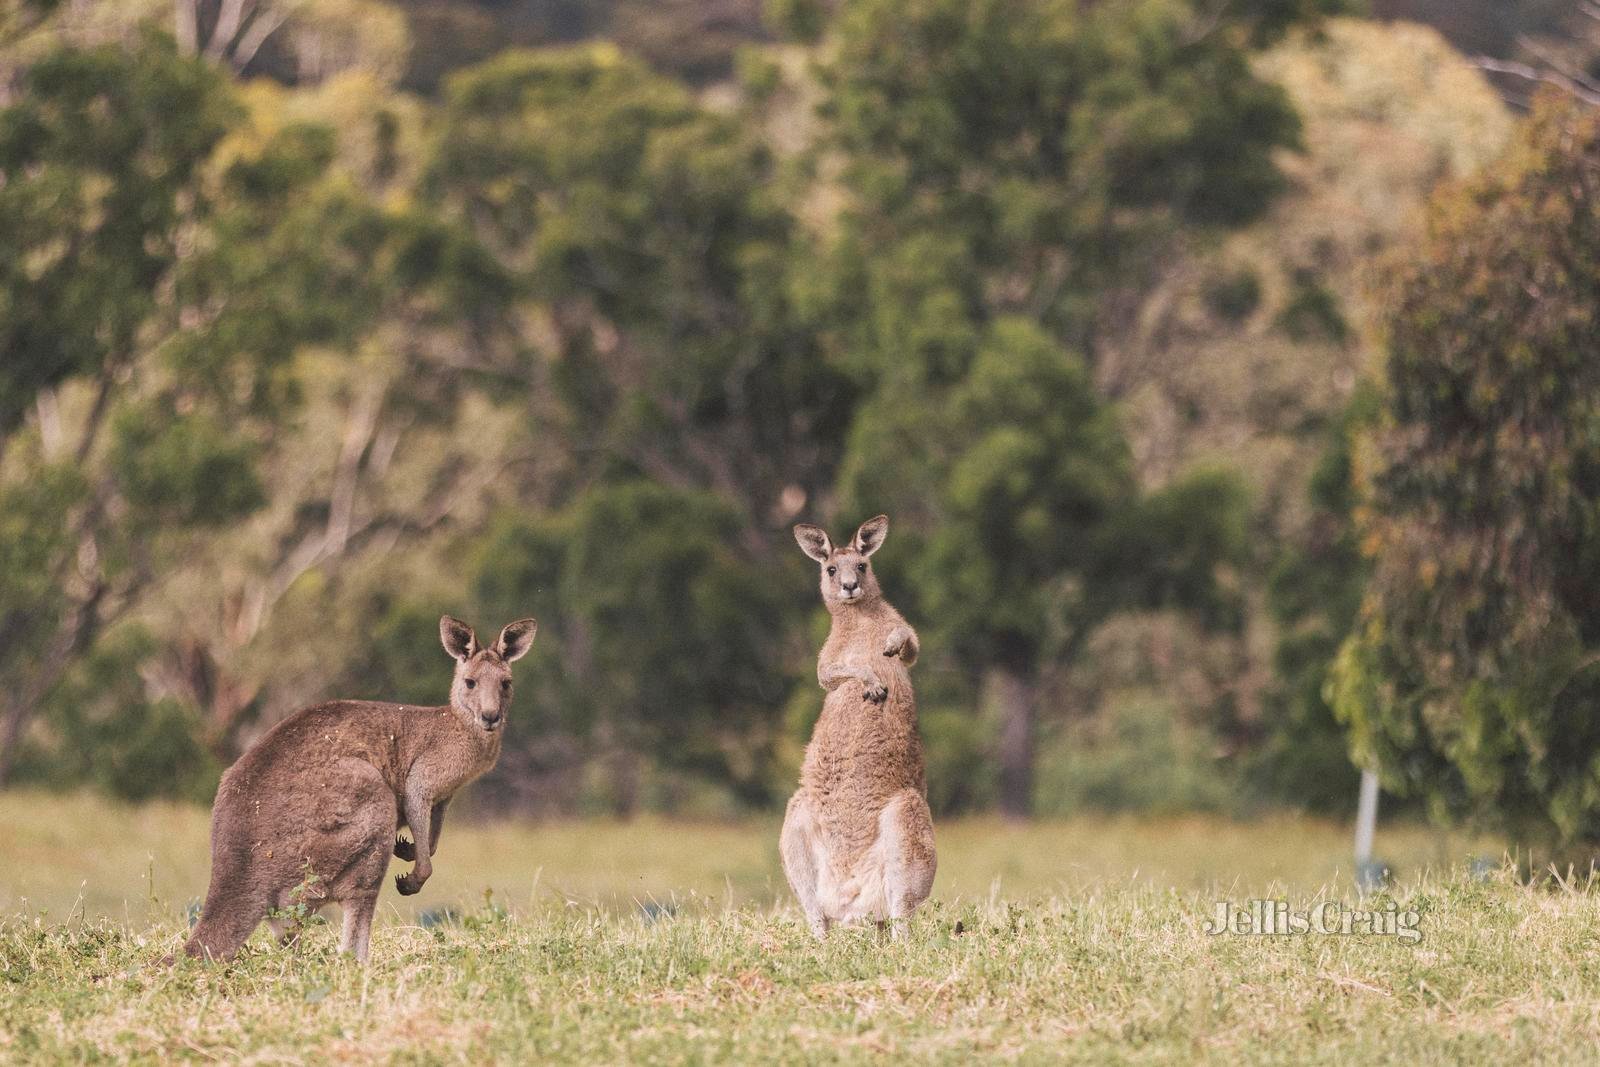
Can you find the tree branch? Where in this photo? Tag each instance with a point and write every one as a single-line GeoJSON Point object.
{"type": "Point", "coordinates": [1560, 66]}
{"type": "Point", "coordinates": [1534, 74]}
{"type": "Point", "coordinates": [47, 405]}
{"type": "Point", "coordinates": [74, 634]}
{"type": "Point", "coordinates": [261, 28]}
{"type": "Point", "coordinates": [230, 17]}
{"type": "Point", "coordinates": [97, 415]}
{"type": "Point", "coordinates": [359, 429]}
{"type": "Point", "coordinates": [187, 31]}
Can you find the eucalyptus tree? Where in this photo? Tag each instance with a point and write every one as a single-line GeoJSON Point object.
{"type": "Point", "coordinates": [1012, 170]}
{"type": "Point", "coordinates": [1470, 677]}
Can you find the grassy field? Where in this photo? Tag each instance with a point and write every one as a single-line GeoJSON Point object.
{"type": "Point", "coordinates": [658, 942]}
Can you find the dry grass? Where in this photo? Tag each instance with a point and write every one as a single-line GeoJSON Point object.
{"type": "Point", "coordinates": [81, 856]}
{"type": "Point", "coordinates": [1079, 942]}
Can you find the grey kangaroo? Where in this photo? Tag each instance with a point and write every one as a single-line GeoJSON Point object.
{"type": "Point", "coordinates": [310, 814]}
{"type": "Point", "coordinates": [857, 839]}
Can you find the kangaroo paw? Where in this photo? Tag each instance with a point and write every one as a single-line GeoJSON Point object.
{"type": "Point", "coordinates": [876, 692]}
{"type": "Point", "coordinates": [405, 850]}
{"type": "Point", "coordinates": [407, 884]}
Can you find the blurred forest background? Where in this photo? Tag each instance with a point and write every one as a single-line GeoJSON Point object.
{"type": "Point", "coordinates": [1230, 372]}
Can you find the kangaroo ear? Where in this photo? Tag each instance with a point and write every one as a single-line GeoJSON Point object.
{"type": "Point", "coordinates": [457, 637]}
{"type": "Point", "coordinates": [516, 639]}
{"type": "Point", "coordinates": [814, 541]}
{"type": "Point", "coordinates": [870, 537]}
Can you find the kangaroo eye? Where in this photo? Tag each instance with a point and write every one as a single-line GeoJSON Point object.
{"type": "Point", "coordinates": [505, 686]}
{"type": "Point", "coordinates": [472, 683]}
{"type": "Point", "coordinates": [833, 570]}
{"type": "Point", "coordinates": [863, 565]}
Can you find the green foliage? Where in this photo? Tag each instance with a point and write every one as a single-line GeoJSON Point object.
{"type": "Point", "coordinates": [803, 20]}
{"type": "Point", "coordinates": [1010, 162]}
{"type": "Point", "coordinates": [400, 657]}
{"type": "Point", "coordinates": [183, 470]}
{"type": "Point", "coordinates": [646, 226]}
{"type": "Point", "coordinates": [1481, 619]}
{"type": "Point", "coordinates": [1268, 19]}
{"type": "Point", "coordinates": [97, 155]}
{"type": "Point", "coordinates": [1312, 312]}
{"type": "Point", "coordinates": [1314, 592]}
{"type": "Point", "coordinates": [106, 732]}
{"type": "Point", "coordinates": [584, 341]}
{"type": "Point", "coordinates": [1038, 468]}
{"type": "Point", "coordinates": [1180, 548]}
{"type": "Point", "coordinates": [659, 637]}
{"type": "Point", "coordinates": [1138, 757]}
{"type": "Point", "coordinates": [178, 252]}
{"type": "Point", "coordinates": [1234, 296]}
{"type": "Point", "coordinates": [959, 755]}
{"type": "Point", "coordinates": [34, 530]}
{"type": "Point", "coordinates": [1038, 134]}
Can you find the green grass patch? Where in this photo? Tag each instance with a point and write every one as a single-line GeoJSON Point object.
{"type": "Point", "coordinates": [653, 942]}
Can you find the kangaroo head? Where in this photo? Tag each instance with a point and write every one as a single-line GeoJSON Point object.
{"type": "Point", "coordinates": [482, 687]}
{"type": "Point", "coordinates": [846, 577]}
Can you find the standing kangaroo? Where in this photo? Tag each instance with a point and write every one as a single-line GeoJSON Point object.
{"type": "Point", "coordinates": [857, 838]}
{"type": "Point", "coordinates": [309, 815]}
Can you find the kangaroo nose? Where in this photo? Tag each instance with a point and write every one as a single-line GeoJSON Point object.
{"type": "Point", "coordinates": [851, 587]}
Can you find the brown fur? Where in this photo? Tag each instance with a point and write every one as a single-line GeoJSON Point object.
{"type": "Point", "coordinates": [858, 837]}
{"type": "Point", "coordinates": [309, 815]}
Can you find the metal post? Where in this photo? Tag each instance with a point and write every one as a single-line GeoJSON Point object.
{"type": "Point", "coordinates": [1369, 875]}
{"type": "Point", "coordinates": [1366, 817]}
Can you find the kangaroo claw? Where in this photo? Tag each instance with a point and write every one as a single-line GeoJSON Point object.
{"type": "Point", "coordinates": [876, 692]}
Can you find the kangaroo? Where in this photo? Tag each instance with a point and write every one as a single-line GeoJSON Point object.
{"type": "Point", "coordinates": [857, 838]}
{"type": "Point", "coordinates": [310, 814]}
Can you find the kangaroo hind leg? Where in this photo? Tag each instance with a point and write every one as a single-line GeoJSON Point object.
{"type": "Point", "coordinates": [905, 836]}
{"type": "Point", "coordinates": [799, 848]}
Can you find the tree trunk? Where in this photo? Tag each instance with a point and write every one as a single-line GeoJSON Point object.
{"type": "Point", "coordinates": [16, 716]}
{"type": "Point", "coordinates": [72, 637]}
{"type": "Point", "coordinates": [1012, 698]}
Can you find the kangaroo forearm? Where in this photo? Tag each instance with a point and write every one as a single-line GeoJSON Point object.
{"type": "Point", "coordinates": [419, 816]}
{"type": "Point", "coordinates": [832, 675]}
{"type": "Point", "coordinates": [902, 642]}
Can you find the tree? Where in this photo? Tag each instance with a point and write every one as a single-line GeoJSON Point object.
{"type": "Point", "coordinates": [99, 166]}
{"type": "Point", "coordinates": [661, 639]}
{"type": "Point", "coordinates": [1012, 166]}
{"type": "Point", "coordinates": [1037, 530]}
{"type": "Point", "coordinates": [1470, 675]}
{"type": "Point", "coordinates": [647, 230]}
{"type": "Point", "coordinates": [172, 261]}
{"type": "Point", "coordinates": [400, 326]}
{"type": "Point", "coordinates": [1045, 144]}
{"type": "Point", "coordinates": [1314, 592]}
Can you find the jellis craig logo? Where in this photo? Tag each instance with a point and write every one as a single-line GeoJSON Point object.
{"type": "Point", "coordinates": [1275, 918]}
